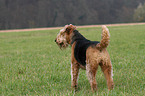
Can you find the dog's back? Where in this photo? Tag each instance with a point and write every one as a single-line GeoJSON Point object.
{"type": "Point", "coordinates": [82, 44]}
{"type": "Point", "coordinates": [80, 50]}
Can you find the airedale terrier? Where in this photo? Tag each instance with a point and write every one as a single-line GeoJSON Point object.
{"type": "Point", "coordinates": [87, 55]}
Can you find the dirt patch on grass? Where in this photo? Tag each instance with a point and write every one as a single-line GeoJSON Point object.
{"type": "Point", "coordinates": [83, 26]}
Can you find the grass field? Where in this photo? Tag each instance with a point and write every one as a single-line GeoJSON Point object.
{"type": "Point", "coordinates": [32, 64]}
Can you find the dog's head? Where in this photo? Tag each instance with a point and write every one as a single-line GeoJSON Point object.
{"type": "Point", "coordinates": [63, 38]}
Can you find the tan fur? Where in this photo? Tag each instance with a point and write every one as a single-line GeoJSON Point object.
{"type": "Point", "coordinates": [95, 56]}
{"type": "Point", "coordinates": [105, 38]}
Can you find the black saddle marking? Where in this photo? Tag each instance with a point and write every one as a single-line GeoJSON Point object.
{"type": "Point", "coordinates": [81, 46]}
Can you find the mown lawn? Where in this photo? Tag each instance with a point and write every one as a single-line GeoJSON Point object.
{"type": "Point", "coordinates": [32, 64]}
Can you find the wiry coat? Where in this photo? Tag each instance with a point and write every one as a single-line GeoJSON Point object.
{"type": "Point", "coordinates": [87, 55]}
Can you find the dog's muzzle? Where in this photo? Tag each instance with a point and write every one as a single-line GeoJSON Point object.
{"type": "Point", "coordinates": [62, 45]}
{"type": "Point", "coordinates": [59, 43]}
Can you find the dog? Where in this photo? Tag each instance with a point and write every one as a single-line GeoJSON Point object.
{"type": "Point", "coordinates": [87, 55]}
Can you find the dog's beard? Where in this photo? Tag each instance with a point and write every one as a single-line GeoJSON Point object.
{"type": "Point", "coordinates": [63, 45]}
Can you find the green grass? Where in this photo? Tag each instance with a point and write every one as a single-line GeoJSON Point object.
{"type": "Point", "coordinates": [32, 64]}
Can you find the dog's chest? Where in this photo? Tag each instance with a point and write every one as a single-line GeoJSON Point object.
{"type": "Point", "coordinates": [80, 50]}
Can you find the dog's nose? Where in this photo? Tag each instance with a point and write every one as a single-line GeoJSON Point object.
{"type": "Point", "coordinates": [55, 40]}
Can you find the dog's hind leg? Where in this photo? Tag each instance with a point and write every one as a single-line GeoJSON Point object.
{"type": "Point", "coordinates": [108, 72]}
{"type": "Point", "coordinates": [91, 69]}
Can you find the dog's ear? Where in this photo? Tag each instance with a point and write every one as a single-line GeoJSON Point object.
{"type": "Point", "coordinates": [70, 28]}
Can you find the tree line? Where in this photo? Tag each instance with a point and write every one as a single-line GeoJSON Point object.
{"type": "Point", "coordinates": [47, 13]}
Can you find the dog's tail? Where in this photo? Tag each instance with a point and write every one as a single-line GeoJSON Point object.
{"type": "Point", "coordinates": [105, 38]}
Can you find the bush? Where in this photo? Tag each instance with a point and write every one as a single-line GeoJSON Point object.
{"type": "Point", "coordinates": [139, 13]}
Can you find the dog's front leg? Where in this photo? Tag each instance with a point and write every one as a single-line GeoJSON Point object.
{"type": "Point", "coordinates": [74, 75]}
